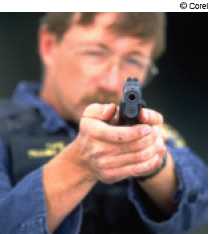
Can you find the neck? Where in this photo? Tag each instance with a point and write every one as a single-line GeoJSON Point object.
{"type": "Point", "coordinates": [47, 94]}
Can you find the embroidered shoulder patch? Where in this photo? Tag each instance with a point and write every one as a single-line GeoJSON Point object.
{"type": "Point", "coordinates": [51, 149]}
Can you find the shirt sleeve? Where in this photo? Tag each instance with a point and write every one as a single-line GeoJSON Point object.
{"type": "Point", "coordinates": [191, 196]}
{"type": "Point", "coordinates": [23, 207]}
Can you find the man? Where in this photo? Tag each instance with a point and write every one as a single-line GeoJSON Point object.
{"type": "Point", "coordinates": [107, 178]}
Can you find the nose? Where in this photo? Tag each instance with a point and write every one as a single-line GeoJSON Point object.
{"type": "Point", "coordinates": [112, 80]}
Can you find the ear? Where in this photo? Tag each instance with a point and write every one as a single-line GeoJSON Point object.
{"type": "Point", "coordinates": [47, 45]}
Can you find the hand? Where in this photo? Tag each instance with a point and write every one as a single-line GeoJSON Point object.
{"type": "Point", "coordinates": [162, 187]}
{"type": "Point", "coordinates": [113, 153]}
{"type": "Point", "coordinates": [155, 119]}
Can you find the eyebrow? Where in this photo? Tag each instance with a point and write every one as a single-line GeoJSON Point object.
{"type": "Point", "coordinates": [97, 44]}
{"type": "Point", "coordinates": [105, 47]}
{"type": "Point", "coordinates": [138, 53]}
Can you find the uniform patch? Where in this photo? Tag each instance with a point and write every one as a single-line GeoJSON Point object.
{"type": "Point", "coordinates": [50, 150]}
{"type": "Point", "coordinates": [32, 152]}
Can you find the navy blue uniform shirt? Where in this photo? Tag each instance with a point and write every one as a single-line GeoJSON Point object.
{"type": "Point", "coordinates": [23, 206]}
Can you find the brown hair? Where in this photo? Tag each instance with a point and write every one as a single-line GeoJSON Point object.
{"type": "Point", "coordinates": [148, 25]}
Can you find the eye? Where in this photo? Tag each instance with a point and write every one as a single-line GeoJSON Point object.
{"type": "Point", "coordinates": [135, 61]}
{"type": "Point", "coordinates": [96, 53]}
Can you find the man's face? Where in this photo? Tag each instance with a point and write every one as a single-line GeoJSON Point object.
{"type": "Point", "coordinates": [90, 65]}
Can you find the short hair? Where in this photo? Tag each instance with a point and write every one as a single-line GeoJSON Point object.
{"type": "Point", "coordinates": [147, 25]}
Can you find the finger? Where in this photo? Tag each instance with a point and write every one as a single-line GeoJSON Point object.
{"type": "Point", "coordinates": [145, 168]}
{"type": "Point", "coordinates": [115, 119]}
{"type": "Point", "coordinates": [98, 111]}
{"type": "Point", "coordinates": [134, 146]}
{"type": "Point", "coordinates": [158, 130]}
{"type": "Point", "coordinates": [114, 134]}
{"type": "Point", "coordinates": [139, 144]}
{"type": "Point", "coordinates": [161, 147]}
{"type": "Point", "coordinates": [151, 117]}
{"type": "Point", "coordinates": [117, 161]}
{"type": "Point", "coordinates": [133, 170]}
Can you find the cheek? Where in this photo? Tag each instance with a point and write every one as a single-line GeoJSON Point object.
{"type": "Point", "coordinates": [75, 78]}
{"type": "Point", "coordinates": [73, 85]}
{"type": "Point", "coordinates": [87, 78]}
{"type": "Point", "coordinates": [68, 73]}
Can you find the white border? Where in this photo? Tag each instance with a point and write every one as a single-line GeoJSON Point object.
{"type": "Point", "coordinates": [208, 115]}
{"type": "Point", "coordinates": [95, 5]}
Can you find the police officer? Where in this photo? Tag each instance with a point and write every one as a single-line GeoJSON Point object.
{"type": "Point", "coordinates": [65, 167]}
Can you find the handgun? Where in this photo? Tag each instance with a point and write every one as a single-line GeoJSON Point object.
{"type": "Point", "coordinates": [131, 102]}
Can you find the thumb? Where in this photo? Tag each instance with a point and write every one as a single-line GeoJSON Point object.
{"type": "Point", "coordinates": [151, 117]}
{"type": "Point", "coordinates": [104, 112]}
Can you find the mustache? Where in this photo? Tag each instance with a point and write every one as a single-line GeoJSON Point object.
{"type": "Point", "coordinates": [102, 98]}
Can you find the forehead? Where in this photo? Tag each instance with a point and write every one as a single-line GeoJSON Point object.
{"type": "Point", "coordinates": [103, 20]}
{"type": "Point", "coordinates": [100, 30]}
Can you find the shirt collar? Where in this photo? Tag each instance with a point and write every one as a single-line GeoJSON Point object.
{"type": "Point", "coordinates": [28, 93]}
